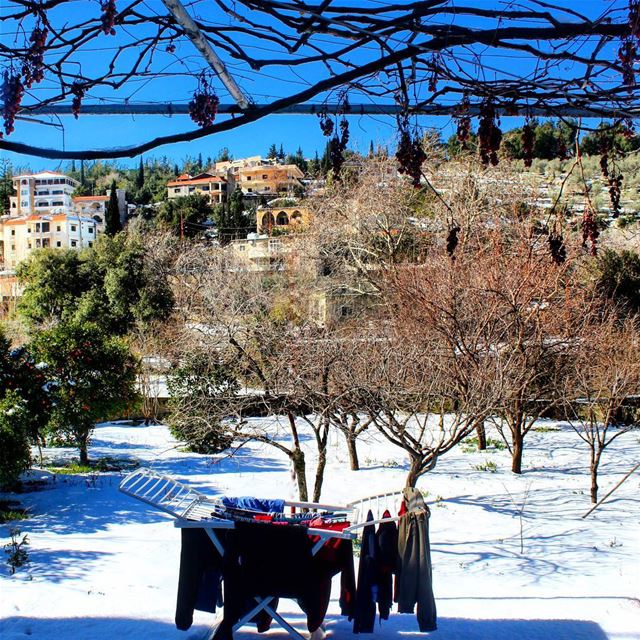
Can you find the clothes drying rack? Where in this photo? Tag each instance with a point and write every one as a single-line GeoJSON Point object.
{"type": "Point", "coordinates": [193, 509]}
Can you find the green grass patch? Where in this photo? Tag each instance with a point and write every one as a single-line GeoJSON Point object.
{"type": "Point", "coordinates": [488, 465]}
{"type": "Point", "coordinates": [12, 512]}
{"type": "Point", "coordinates": [101, 465]}
{"type": "Point", "coordinates": [470, 445]}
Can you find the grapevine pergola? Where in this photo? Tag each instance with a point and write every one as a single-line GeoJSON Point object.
{"type": "Point", "coordinates": [227, 64]}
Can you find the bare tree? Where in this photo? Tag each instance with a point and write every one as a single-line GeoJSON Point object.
{"type": "Point", "coordinates": [604, 375]}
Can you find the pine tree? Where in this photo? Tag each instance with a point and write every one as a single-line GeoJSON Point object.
{"type": "Point", "coordinates": [73, 166]}
{"type": "Point", "coordinates": [200, 161]}
{"type": "Point", "coordinates": [272, 154]}
{"type": "Point", "coordinates": [371, 151]}
{"type": "Point", "coordinates": [176, 170]}
{"type": "Point", "coordinates": [82, 177]}
{"type": "Point", "coordinates": [140, 176]}
{"type": "Point", "coordinates": [112, 215]}
{"type": "Point", "coordinates": [281, 154]}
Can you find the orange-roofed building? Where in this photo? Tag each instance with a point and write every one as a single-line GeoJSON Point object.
{"type": "Point", "coordinates": [213, 186]}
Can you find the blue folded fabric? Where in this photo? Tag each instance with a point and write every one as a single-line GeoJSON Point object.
{"type": "Point", "coordinates": [254, 504]}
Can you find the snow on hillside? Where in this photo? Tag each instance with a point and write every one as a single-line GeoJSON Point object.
{"type": "Point", "coordinates": [104, 566]}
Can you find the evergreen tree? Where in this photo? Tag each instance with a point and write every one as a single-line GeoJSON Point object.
{"type": "Point", "coordinates": [272, 154]}
{"type": "Point", "coordinates": [6, 186]}
{"type": "Point", "coordinates": [140, 176]}
{"type": "Point", "coordinates": [176, 170]}
{"type": "Point", "coordinates": [113, 223]}
{"type": "Point", "coordinates": [200, 161]}
{"type": "Point", "coordinates": [73, 166]}
{"type": "Point", "coordinates": [238, 219]}
{"type": "Point", "coordinates": [281, 154]}
{"type": "Point", "coordinates": [224, 155]}
{"type": "Point", "coordinates": [82, 176]}
{"type": "Point", "coordinates": [371, 151]}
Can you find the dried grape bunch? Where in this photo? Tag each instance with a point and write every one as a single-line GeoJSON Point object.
{"type": "Point", "coordinates": [435, 73]}
{"type": "Point", "coordinates": [463, 121]}
{"type": "Point", "coordinates": [615, 187]}
{"type": "Point", "coordinates": [634, 18]}
{"type": "Point", "coordinates": [608, 152]}
{"type": "Point", "coordinates": [337, 147]}
{"type": "Point", "coordinates": [489, 134]}
{"type": "Point", "coordinates": [204, 105]}
{"type": "Point", "coordinates": [557, 248]}
{"type": "Point", "coordinates": [628, 54]}
{"type": "Point", "coordinates": [108, 19]}
{"type": "Point", "coordinates": [528, 140]}
{"type": "Point", "coordinates": [452, 241]}
{"type": "Point", "coordinates": [33, 67]}
{"type": "Point", "coordinates": [590, 230]}
{"type": "Point", "coordinates": [78, 92]}
{"type": "Point", "coordinates": [326, 124]}
{"type": "Point", "coordinates": [12, 92]}
{"type": "Point", "coordinates": [410, 154]}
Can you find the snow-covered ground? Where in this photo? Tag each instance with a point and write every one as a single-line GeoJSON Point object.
{"type": "Point", "coordinates": [104, 566]}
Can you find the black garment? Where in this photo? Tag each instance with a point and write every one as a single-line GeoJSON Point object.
{"type": "Point", "coordinates": [199, 577]}
{"type": "Point", "coordinates": [414, 579]}
{"type": "Point", "coordinates": [387, 543]}
{"type": "Point", "coordinates": [367, 590]}
{"type": "Point", "coordinates": [262, 560]}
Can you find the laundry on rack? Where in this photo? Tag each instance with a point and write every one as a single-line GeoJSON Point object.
{"type": "Point", "coordinates": [367, 589]}
{"type": "Point", "coordinates": [249, 503]}
{"type": "Point", "coordinates": [199, 580]}
{"type": "Point", "coordinates": [387, 548]}
{"type": "Point", "coordinates": [413, 571]}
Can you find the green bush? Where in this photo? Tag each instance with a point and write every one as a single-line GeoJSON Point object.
{"type": "Point", "coordinates": [15, 454]}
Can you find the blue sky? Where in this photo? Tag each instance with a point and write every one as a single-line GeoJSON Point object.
{"type": "Point", "coordinates": [177, 80]}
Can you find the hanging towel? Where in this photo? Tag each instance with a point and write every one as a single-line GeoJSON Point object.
{"type": "Point", "coordinates": [387, 544]}
{"type": "Point", "coordinates": [367, 589]}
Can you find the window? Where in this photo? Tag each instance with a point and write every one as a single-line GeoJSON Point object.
{"type": "Point", "coordinates": [248, 177]}
{"type": "Point", "coordinates": [242, 247]}
{"type": "Point", "coordinates": [29, 246]}
{"type": "Point", "coordinates": [74, 227]}
{"type": "Point", "coordinates": [58, 243]}
{"type": "Point", "coordinates": [90, 230]}
{"type": "Point", "coordinates": [13, 232]}
{"type": "Point", "coordinates": [24, 203]}
{"type": "Point", "coordinates": [24, 192]}
{"type": "Point", "coordinates": [37, 227]}
{"type": "Point", "coordinates": [13, 247]}
{"type": "Point", "coordinates": [26, 182]}
{"type": "Point", "coordinates": [28, 229]}
{"type": "Point", "coordinates": [57, 203]}
{"type": "Point", "coordinates": [38, 244]}
{"type": "Point", "coordinates": [265, 176]}
{"type": "Point", "coordinates": [45, 227]}
{"type": "Point", "coordinates": [267, 188]}
{"type": "Point", "coordinates": [57, 192]}
{"type": "Point", "coordinates": [45, 242]}
{"type": "Point", "coordinates": [176, 190]}
{"type": "Point", "coordinates": [74, 243]}
{"type": "Point", "coordinates": [205, 188]}
{"type": "Point", "coordinates": [58, 229]}
{"type": "Point", "coordinates": [90, 244]}
{"type": "Point", "coordinates": [249, 190]}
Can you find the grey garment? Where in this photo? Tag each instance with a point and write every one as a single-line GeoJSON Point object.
{"type": "Point", "coordinates": [414, 580]}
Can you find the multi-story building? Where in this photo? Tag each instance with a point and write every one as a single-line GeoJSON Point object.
{"type": "Point", "coordinates": [270, 180]}
{"type": "Point", "coordinates": [42, 193]}
{"type": "Point", "coordinates": [44, 213]}
{"type": "Point", "coordinates": [281, 215]}
{"type": "Point", "coordinates": [20, 235]}
{"type": "Point", "coordinates": [209, 184]}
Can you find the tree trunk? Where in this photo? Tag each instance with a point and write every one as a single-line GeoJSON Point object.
{"type": "Point", "coordinates": [84, 455]}
{"type": "Point", "coordinates": [414, 472]}
{"type": "Point", "coordinates": [299, 468]}
{"type": "Point", "coordinates": [353, 451]}
{"type": "Point", "coordinates": [593, 467]}
{"type": "Point", "coordinates": [317, 485]}
{"type": "Point", "coordinates": [482, 436]}
{"type": "Point", "coordinates": [516, 455]}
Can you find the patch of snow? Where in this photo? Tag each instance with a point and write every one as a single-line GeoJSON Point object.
{"type": "Point", "coordinates": [104, 566]}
